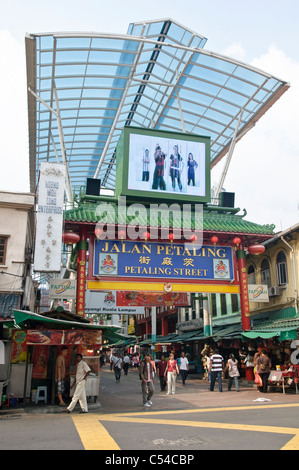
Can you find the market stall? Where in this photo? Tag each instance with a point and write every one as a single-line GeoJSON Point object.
{"type": "Point", "coordinates": [37, 341]}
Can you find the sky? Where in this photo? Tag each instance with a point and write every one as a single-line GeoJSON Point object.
{"type": "Point", "coordinates": [264, 169]}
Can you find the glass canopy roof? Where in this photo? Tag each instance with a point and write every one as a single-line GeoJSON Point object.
{"type": "Point", "coordinates": [83, 88]}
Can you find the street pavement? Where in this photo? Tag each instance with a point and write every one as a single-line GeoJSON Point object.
{"type": "Point", "coordinates": [192, 420]}
{"type": "Point", "coordinates": [126, 396]}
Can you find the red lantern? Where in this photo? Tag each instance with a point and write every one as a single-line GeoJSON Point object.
{"type": "Point", "coordinates": [214, 239]}
{"type": "Point", "coordinates": [193, 238]}
{"type": "Point", "coordinates": [146, 235]}
{"type": "Point", "coordinates": [70, 238]}
{"type": "Point", "coordinates": [256, 249]}
{"type": "Point", "coordinates": [237, 241]}
{"type": "Point", "coordinates": [171, 237]}
{"type": "Point", "coordinates": [122, 234]}
{"type": "Point", "coordinates": [98, 232]}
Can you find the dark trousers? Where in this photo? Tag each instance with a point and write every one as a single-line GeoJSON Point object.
{"type": "Point", "coordinates": [264, 376]}
{"type": "Point", "coordinates": [214, 376]}
{"type": "Point", "coordinates": [145, 175]}
{"type": "Point", "coordinates": [117, 372]}
{"type": "Point", "coordinates": [184, 374]}
{"type": "Point", "coordinates": [162, 382]}
{"type": "Point", "coordinates": [126, 368]}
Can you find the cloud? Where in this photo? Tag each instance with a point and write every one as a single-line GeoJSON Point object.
{"type": "Point", "coordinates": [13, 117]}
{"type": "Point", "coordinates": [235, 51]}
{"type": "Point", "coordinates": [264, 168]}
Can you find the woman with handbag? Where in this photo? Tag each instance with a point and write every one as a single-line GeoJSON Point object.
{"type": "Point", "coordinates": [233, 372]}
{"type": "Point", "coordinates": [171, 371]}
{"type": "Point", "coordinates": [263, 366]}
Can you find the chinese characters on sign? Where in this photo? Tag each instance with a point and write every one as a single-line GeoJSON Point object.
{"type": "Point", "coordinates": [49, 218]}
{"type": "Point", "coordinates": [81, 287]}
{"type": "Point", "coordinates": [158, 260]}
{"type": "Point", "coordinates": [244, 288]}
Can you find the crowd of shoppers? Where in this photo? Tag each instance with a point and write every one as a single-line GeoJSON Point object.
{"type": "Point", "coordinates": [166, 370]}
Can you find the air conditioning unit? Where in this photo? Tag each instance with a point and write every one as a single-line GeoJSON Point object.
{"type": "Point", "coordinates": [274, 291]}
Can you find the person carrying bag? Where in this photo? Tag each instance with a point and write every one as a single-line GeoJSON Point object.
{"type": "Point", "coordinates": [171, 371]}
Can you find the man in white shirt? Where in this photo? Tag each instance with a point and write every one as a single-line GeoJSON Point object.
{"type": "Point", "coordinates": [183, 366]}
{"type": "Point", "coordinates": [82, 372]}
{"type": "Point", "coordinates": [126, 364]}
{"type": "Point", "coordinates": [117, 363]}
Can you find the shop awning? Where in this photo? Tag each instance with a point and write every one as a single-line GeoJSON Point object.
{"type": "Point", "coordinates": [160, 340]}
{"type": "Point", "coordinates": [181, 338]}
{"type": "Point", "coordinates": [260, 334]}
{"type": "Point", "coordinates": [283, 334]}
{"type": "Point", "coordinates": [24, 317]}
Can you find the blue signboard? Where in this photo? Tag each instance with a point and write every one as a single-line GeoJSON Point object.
{"type": "Point", "coordinates": [162, 260]}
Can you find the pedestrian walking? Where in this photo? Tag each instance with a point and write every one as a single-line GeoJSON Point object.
{"type": "Point", "coordinates": [183, 367]}
{"type": "Point", "coordinates": [117, 364]}
{"type": "Point", "coordinates": [263, 366]}
{"type": "Point", "coordinates": [161, 368]}
{"type": "Point", "coordinates": [126, 364]}
{"type": "Point", "coordinates": [154, 370]}
{"type": "Point", "coordinates": [233, 372]}
{"type": "Point", "coordinates": [216, 369]}
{"type": "Point", "coordinates": [82, 371]}
{"type": "Point", "coordinates": [135, 361]}
{"type": "Point", "coordinates": [112, 357]}
{"type": "Point", "coordinates": [147, 383]}
{"type": "Point", "coordinates": [171, 371]}
{"type": "Point", "coordinates": [60, 374]}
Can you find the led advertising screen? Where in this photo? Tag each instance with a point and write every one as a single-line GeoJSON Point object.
{"type": "Point", "coordinates": [165, 165]}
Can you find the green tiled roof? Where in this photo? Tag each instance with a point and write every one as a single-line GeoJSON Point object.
{"type": "Point", "coordinates": [214, 220]}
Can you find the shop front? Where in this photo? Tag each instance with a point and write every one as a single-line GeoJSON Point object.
{"type": "Point", "coordinates": [37, 342]}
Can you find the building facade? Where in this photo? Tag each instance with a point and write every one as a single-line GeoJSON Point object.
{"type": "Point", "coordinates": [17, 223]}
{"type": "Point", "coordinates": [276, 268]}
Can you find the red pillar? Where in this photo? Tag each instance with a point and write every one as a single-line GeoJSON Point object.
{"type": "Point", "coordinates": [81, 272]}
{"type": "Point", "coordinates": [164, 331]}
{"type": "Point", "coordinates": [245, 311]}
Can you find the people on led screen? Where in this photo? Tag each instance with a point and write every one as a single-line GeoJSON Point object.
{"type": "Point", "coordinates": [146, 162]}
{"type": "Point", "coordinates": [158, 180]}
{"type": "Point", "coordinates": [167, 165]}
{"type": "Point", "coordinates": [176, 167]}
{"type": "Point", "coordinates": [191, 169]}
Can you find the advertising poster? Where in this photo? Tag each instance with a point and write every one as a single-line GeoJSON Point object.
{"type": "Point", "coordinates": [150, 299]}
{"type": "Point", "coordinates": [97, 302]}
{"type": "Point", "coordinates": [18, 346]}
{"type": "Point", "coordinates": [40, 362]}
{"type": "Point", "coordinates": [67, 337]}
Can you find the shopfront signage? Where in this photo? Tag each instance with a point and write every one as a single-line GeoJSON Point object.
{"type": "Point", "coordinates": [47, 257]}
{"type": "Point", "coordinates": [66, 337]}
{"type": "Point", "coordinates": [63, 289]}
{"type": "Point", "coordinates": [258, 293]}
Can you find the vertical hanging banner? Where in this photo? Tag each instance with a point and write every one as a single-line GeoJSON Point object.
{"type": "Point", "coordinates": [47, 257]}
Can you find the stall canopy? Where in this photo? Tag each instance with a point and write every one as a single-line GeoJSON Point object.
{"type": "Point", "coordinates": [25, 319]}
{"type": "Point", "coordinates": [285, 329]}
